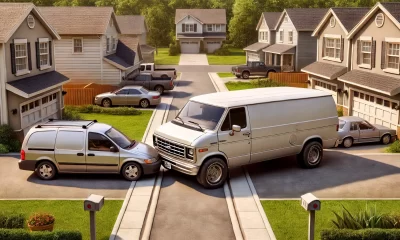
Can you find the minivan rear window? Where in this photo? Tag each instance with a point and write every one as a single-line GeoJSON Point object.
{"type": "Point", "coordinates": [42, 140]}
{"type": "Point", "coordinates": [341, 124]}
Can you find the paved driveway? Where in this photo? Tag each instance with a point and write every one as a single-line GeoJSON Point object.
{"type": "Point", "coordinates": [193, 59]}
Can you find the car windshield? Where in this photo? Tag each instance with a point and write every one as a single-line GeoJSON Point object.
{"type": "Point", "coordinates": [119, 138]}
{"type": "Point", "coordinates": [144, 90]}
{"type": "Point", "coordinates": [341, 124]}
{"type": "Point", "coordinates": [200, 115]}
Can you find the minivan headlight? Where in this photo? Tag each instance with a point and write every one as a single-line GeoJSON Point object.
{"type": "Point", "coordinates": [150, 160]}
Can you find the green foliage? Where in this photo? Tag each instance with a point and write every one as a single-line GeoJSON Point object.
{"type": "Point", "coordinates": [4, 149]}
{"type": "Point", "coordinates": [265, 82]}
{"type": "Point", "coordinates": [6, 133]}
{"type": "Point", "coordinates": [202, 48]}
{"type": "Point", "coordinates": [98, 109]}
{"type": "Point", "coordinates": [11, 221]}
{"type": "Point", "coordinates": [394, 147]}
{"type": "Point", "coordinates": [173, 50]}
{"type": "Point", "coordinates": [222, 51]}
{"type": "Point", "coordinates": [340, 112]}
{"type": "Point", "coordinates": [159, 23]}
{"type": "Point", "coordinates": [258, 83]}
{"type": "Point", "coordinates": [71, 114]}
{"type": "Point", "coordinates": [364, 234]}
{"type": "Point", "coordinates": [22, 234]}
{"type": "Point", "coordinates": [40, 219]}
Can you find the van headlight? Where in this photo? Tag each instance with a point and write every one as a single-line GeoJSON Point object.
{"type": "Point", "coordinates": [189, 153]}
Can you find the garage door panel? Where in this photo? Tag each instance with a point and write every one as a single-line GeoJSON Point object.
{"type": "Point", "coordinates": [190, 47]}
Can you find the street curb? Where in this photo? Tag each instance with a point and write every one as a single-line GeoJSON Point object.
{"type": "Point", "coordinates": [232, 213]}
{"type": "Point", "coordinates": [52, 199]}
{"type": "Point", "coordinates": [10, 154]}
{"type": "Point", "coordinates": [331, 199]}
{"type": "Point", "coordinates": [146, 132]}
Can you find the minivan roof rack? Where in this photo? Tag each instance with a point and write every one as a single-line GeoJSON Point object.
{"type": "Point", "coordinates": [67, 123]}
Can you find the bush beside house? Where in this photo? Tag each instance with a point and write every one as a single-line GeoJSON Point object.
{"type": "Point", "coordinates": [72, 112]}
{"type": "Point", "coordinates": [8, 140]}
{"type": "Point", "coordinates": [174, 49]}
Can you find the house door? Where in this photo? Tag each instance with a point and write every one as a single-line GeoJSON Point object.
{"type": "Point", "coordinates": [287, 63]}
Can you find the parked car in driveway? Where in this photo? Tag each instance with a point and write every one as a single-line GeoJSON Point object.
{"type": "Point", "coordinates": [129, 96]}
{"type": "Point", "coordinates": [254, 69]}
{"type": "Point", "coordinates": [158, 72]}
{"type": "Point", "coordinates": [357, 130]}
{"type": "Point", "coordinates": [217, 131]}
{"type": "Point", "coordinates": [59, 146]}
{"type": "Point", "coordinates": [150, 82]}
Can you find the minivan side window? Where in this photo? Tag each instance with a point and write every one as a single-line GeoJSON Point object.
{"type": "Point", "coordinates": [42, 140]}
{"type": "Point", "coordinates": [70, 140]}
{"type": "Point", "coordinates": [236, 116]}
{"type": "Point", "coordinates": [98, 142]}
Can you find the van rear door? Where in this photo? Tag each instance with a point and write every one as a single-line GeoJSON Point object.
{"type": "Point", "coordinates": [237, 146]}
{"type": "Point", "coordinates": [70, 150]}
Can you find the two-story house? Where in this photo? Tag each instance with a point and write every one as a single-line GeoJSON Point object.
{"type": "Point", "coordinates": [90, 49]}
{"type": "Point", "coordinates": [135, 26]}
{"type": "Point", "coordinates": [266, 36]}
{"type": "Point", "coordinates": [334, 52]}
{"type": "Point", "coordinates": [294, 46]}
{"type": "Point", "coordinates": [194, 26]}
{"type": "Point", "coordinates": [30, 88]}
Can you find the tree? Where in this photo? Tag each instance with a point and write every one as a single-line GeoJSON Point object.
{"type": "Point", "coordinates": [159, 23]}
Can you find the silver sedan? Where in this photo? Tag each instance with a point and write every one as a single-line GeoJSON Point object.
{"type": "Point", "coordinates": [129, 96]}
{"type": "Point", "coordinates": [357, 130]}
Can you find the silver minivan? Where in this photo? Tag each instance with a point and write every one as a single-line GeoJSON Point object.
{"type": "Point", "coordinates": [85, 147]}
{"type": "Point", "coordinates": [217, 131]}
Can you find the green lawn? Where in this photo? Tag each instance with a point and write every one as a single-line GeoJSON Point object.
{"type": "Point", "coordinates": [133, 126]}
{"type": "Point", "coordinates": [237, 57]}
{"type": "Point", "coordinates": [225, 74]}
{"type": "Point", "coordinates": [289, 220]}
{"type": "Point", "coordinates": [69, 215]}
{"type": "Point", "coordinates": [162, 58]}
{"type": "Point", "coordinates": [233, 86]}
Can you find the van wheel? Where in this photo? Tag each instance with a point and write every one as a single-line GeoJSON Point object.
{"type": "Point", "coordinates": [213, 173]}
{"type": "Point", "coordinates": [347, 142]}
{"type": "Point", "coordinates": [311, 155]}
{"type": "Point", "coordinates": [131, 171]}
{"type": "Point", "coordinates": [46, 170]}
{"type": "Point", "coordinates": [386, 139]}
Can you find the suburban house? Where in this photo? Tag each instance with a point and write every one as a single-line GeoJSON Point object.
{"type": "Point", "coordinates": [135, 26]}
{"type": "Point", "coordinates": [334, 52]}
{"type": "Point", "coordinates": [30, 88]}
{"type": "Point", "coordinates": [91, 49]}
{"type": "Point", "coordinates": [200, 26]}
{"type": "Point", "coordinates": [266, 36]}
{"type": "Point", "coordinates": [294, 46]}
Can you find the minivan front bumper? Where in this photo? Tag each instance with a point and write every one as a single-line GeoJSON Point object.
{"type": "Point", "coordinates": [151, 168]}
{"type": "Point", "coordinates": [180, 166]}
{"type": "Point", "coordinates": [29, 165]}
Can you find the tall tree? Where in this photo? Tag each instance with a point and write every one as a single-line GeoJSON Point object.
{"type": "Point", "coordinates": [159, 23]}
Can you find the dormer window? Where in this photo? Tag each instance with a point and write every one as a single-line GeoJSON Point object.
{"type": "Point", "coordinates": [379, 20]}
{"type": "Point", "coordinates": [31, 21]}
{"type": "Point", "coordinates": [332, 22]}
{"type": "Point", "coordinates": [286, 19]}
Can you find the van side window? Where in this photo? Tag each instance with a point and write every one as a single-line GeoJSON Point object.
{"type": "Point", "coordinates": [70, 140]}
{"type": "Point", "coordinates": [98, 142]}
{"type": "Point", "coordinates": [236, 116]}
{"type": "Point", "coordinates": [42, 140]}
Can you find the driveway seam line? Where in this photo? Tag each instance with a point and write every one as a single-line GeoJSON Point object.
{"type": "Point", "coordinates": [231, 210]}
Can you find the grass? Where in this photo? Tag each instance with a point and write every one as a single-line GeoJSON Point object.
{"type": "Point", "coordinates": [132, 126]}
{"type": "Point", "coordinates": [69, 215]}
{"type": "Point", "coordinates": [237, 57]}
{"type": "Point", "coordinates": [240, 85]}
{"type": "Point", "coordinates": [162, 58]}
{"type": "Point", "coordinates": [225, 74]}
{"type": "Point", "coordinates": [394, 147]}
{"type": "Point", "coordinates": [289, 220]}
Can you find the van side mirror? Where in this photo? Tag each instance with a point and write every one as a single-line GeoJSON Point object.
{"type": "Point", "coordinates": [113, 149]}
{"type": "Point", "coordinates": [236, 128]}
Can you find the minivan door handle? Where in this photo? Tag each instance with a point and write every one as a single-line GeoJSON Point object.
{"type": "Point", "coordinates": [246, 134]}
{"type": "Point", "coordinates": [91, 155]}
{"type": "Point", "coordinates": [79, 154]}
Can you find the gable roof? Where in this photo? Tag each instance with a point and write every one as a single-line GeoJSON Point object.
{"type": "Point", "coordinates": [79, 20]}
{"type": "Point", "coordinates": [346, 17]}
{"type": "Point", "coordinates": [271, 19]}
{"type": "Point", "coordinates": [391, 10]}
{"type": "Point", "coordinates": [13, 14]}
{"type": "Point", "coordinates": [131, 24]}
{"type": "Point", "coordinates": [205, 16]}
{"type": "Point", "coordinates": [303, 19]}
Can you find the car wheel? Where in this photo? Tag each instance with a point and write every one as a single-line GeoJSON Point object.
{"type": "Point", "coordinates": [311, 155]}
{"type": "Point", "coordinates": [245, 75]}
{"type": "Point", "coordinates": [144, 103]}
{"type": "Point", "coordinates": [46, 170]}
{"type": "Point", "coordinates": [386, 139]}
{"type": "Point", "coordinates": [131, 171]}
{"type": "Point", "coordinates": [106, 103]}
{"type": "Point", "coordinates": [347, 142]}
{"type": "Point", "coordinates": [159, 89]}
{"type": "Point", "coordinates": [213, 173]}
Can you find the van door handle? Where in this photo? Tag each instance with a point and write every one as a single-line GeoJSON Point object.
{"type": "Point", "coordinates": [91, 155]}
{"type": "Point", "coordinates": [246, 134]}
{"type": "Point", "coordinates": [79, 154]}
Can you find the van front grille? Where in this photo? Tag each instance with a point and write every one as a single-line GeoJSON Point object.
{"type": "Point", "coordinates": [170, 147]}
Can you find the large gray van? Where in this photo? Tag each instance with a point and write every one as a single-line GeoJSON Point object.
{"type": "Point", "coordinates": [85, 147]}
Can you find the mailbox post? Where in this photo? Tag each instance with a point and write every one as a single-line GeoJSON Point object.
{"type": "Point", "coordinates": [310, 203]}
{"type": "Point", "coordinates": [93, 204]}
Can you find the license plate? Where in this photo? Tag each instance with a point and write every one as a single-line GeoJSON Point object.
{"type": "Point", "coordinates": [167, 165]}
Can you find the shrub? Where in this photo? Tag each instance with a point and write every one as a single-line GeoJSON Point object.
{"type": "Point", "coordinates": [265, 83]}
{"type": "Point", "coordinates": [340, 112]}
{"type": "Point", "coordinates": [98, 109]}
{"type": "Point", "coordinates": [6, 133]}
{"type": "Point", "coordinates": [22, 234]}
{"type": "Point", "coordinates": [4, 149]}
{"type": "Point", "coordinates": [364, 234]}
{"type": "Point", "coordinates": [12, 221]}
{"type": "Point", "coordinates": [40, 219]}
{"type": "Point", "coordinates": [71, 115]}
{"type": "Point", "coordinates": [394, 147]}
{"type": "Point", "coordinates": [178, 47]}
{"type": "Point", "coordinates": [14, 145]}
{"type": "Point", "coordinates": [173, 49]}
{"type": "Point", "coordinates": [223, 51]}
{"type": "Point", "coordinates": [202, 48]}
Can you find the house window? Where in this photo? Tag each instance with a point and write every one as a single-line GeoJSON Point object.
{"type": "Point", "coordinates": [286, 19]}
{"type": "Point", "coordinates": [31, 21]}
{"type": "Point", "coordinates": [108, 44]}
{"type": "Point", "coordinates": [281, 35]}
{"type": "Point", "coordinates": [21, 57]}
{"type": "Point", "coordinates": [290, 36]}
{"type": "Point", "coordinates": [189, 27]}
{"type": "Point", "coordinates": [265, 36]}
{"type": "Point", "coordinates": [218, 27]}
{"type": "Point", "coordinates": [332, 48]}
{"type": "Point", "coordinates": [393, 54]}
{"type": "Point", "coordinates": [379, 20]}
{"type": "Point", "coordinates": [209, 27]}
{"type": "Point", "coordinates": [366, 52]}
{"type": "Point", "coordinates": [44, 53]}
{"type": "Point", "coordinates": [115, 41]}
{"type": "Point", "coordinates": [78, 45]}
{"type": "Point", "coordinates": [332, 22]}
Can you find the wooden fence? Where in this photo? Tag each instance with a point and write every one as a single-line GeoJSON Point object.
{"type": "Point", "coordinates": [83, 94]}
{"type": "Point", "coordinates": [290, 79]}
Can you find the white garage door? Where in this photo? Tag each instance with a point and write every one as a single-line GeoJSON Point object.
{"type": "Point", "coordinates": [39, 110]}
{"type": "Point", "coordinates": [190, 47]}
{"type": "Point", "coordinates": [375, 109]}
{"type": "Point", "coordinates": [326, 87]}
{"type": "Point", "coordinates": [212, 46]}
{"type": "Point", "coordinates": [253, 57]}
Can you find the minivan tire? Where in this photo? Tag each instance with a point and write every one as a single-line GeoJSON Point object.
{"type": "Point", "coordinates": [131, 171]}
{"type": "Point", "coordinates": [311, 155]}
{"type": "Point", "coordinates": [213, 173]}
{"type": "Point", "coordinates": [46, 170]}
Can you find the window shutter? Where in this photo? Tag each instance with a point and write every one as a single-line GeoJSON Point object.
{"type": "Point", "coordinates": [50, 54]}
{"type": "Point", "coordinates": [342, 50]}
{"type": "Point", "coordinates": [37, 55]}
{"type": "Point", "coordinates": [195, 27]}
{"type": "Point", "coordinates": [383, 55]}
{"type": "Point", "coordinates": [13, 67]}
{"type": "Point", "coordinates": [28, 46]}
{"type": "Point", "coordinates": [373, 54]}
{"type": "Point", "coordinates": [358, 52]}
{"type": "Point", "coordinates": [323, 47]}
{"type": "Point", "coordinates": [183, 27]}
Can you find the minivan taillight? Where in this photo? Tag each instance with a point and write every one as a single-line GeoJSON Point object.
{"type": "Point", "coordinates": [22, 155]}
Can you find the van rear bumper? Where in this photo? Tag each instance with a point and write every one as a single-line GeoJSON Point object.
{"type": "Point", "coordinates": [180, 166]}
{"type": "Point", "coordinates": [29, 165]}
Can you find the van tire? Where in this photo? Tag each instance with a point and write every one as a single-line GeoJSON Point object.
{"type": "Point", "coordinates": [46, 170]}
{"type": "Point", "coordinates": [311, 155]}
{"type": "Point", "coordinates": [219, 173]}
{"type": "Point", "coordinates": [131, 171]}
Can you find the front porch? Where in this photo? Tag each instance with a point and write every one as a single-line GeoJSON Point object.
{"type": "Point", "coordinates": [281, 55]}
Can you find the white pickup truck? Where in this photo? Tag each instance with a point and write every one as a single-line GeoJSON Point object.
{"type": "Point", "coordinates": [158, 72]}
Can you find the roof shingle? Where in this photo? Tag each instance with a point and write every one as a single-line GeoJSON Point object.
{"type": "Point", "coordinates": [325, 70]}
{"type": "Point", "coordinates": [280, 48]}
{"type": "Point", "coordinates": [271, 18]}
{"type": "Point", "coordinates": [11, 16]}
{"type": "Point", "coordinates": [393, 8]}
{"type": "Point", "coordinates": [255, 47]}
{"type": "Point", "coordinates": [206, 16]}
{"type": "Point", "coordinates": [131, 24]}
{"type": "Point", "coordinates": [349, 17]}
{"type": "Point", "coordinates": [306, 19]}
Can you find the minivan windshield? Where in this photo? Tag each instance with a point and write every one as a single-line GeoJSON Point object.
{"type": "Point", "coordinates": [119, 138]}
{"type": "Point", "coordinates": [200, 115]}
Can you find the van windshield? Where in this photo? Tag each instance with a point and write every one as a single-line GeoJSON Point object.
{"type": "Point", "coordinates": [119, 138]}
{"type": "Point", "coordinates": [200, 115]}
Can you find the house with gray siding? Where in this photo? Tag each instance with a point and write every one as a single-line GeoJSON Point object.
{"type": "Point", "coordinates": [30, 87]}
{"type": "Point", "coordinates": [266, 36]}
{"type": "Point", "coordinates": [294, 46]}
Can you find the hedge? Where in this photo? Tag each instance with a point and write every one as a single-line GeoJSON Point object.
{"type": "Point", "coordinates": [70, 110]}
{"type": "Point", "coordinates": [22, 234]}
{"type": "Point", "coordinates": [12, 221]}
{"type": "Point", "coordinates": [364, 234]}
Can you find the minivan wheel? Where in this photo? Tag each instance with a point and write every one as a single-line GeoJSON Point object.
{"type": "Point", "coordinates": [46, 170]}
{"type": "Point", "coordinates": [106, 103]}
{"type": "Point", "coordinates": [386, 139]}
{"type": "Point", "coordinates": [131, 171]}
{"type": "Point", "coordinates": [213, 173]}
{"type": "Point", "coordinates": [347, 142]}
{"type": "Point", "coordinates": [144, 103]}
{"type": "Point", "coordinates": [311, 155]}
